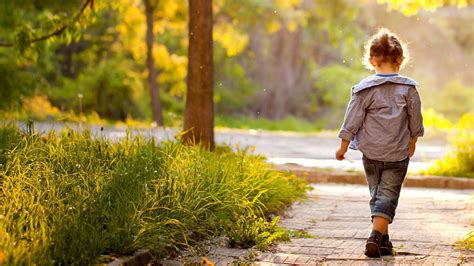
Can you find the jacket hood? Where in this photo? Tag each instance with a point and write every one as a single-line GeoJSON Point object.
{"type": "Point", "coordinates": [374, 80]}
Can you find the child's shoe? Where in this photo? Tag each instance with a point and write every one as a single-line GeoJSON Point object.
{"type": "Point", "coordinates": [386, 247]}
{"type": "Point", "coordinates": [372, 247]}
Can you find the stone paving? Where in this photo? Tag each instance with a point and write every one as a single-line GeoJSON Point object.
{"type": "Point", "coordinates": [425, 229]}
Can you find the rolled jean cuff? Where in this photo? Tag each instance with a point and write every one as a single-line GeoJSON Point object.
{"type": "Point", "coordinates": [383, 215]}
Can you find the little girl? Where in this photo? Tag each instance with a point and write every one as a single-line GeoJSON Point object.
{"type": "Point", "coordinates": [383, 120]}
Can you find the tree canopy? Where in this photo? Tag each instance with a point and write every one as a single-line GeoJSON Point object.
{"type": "Point", "coordinates": [274, 59]}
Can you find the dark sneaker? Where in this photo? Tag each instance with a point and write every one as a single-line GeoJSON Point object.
{"type": "Point", "coordinates": [372, 247]}
{"type": "Point", "coordinates": [386, 247]}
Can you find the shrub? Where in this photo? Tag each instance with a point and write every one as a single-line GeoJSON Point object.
{"type": "Point", "coordinates": [435, 120]}
{"type": "Point", "coordinates": [468, 242]}
{"type": "Point", "coordinates": [109, 88]}
{"type": "Point", "coordinates": [249, 231]}
{"type": "Point", "coordinates": [39, 107]}
{"type": "Point", "coordinates": [68, 198]}
{"type": "Point", "coordinates": [460, 162]}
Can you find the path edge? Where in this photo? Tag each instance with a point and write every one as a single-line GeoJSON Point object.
{"type": "Point", "coordinates": [140, 257]}
{"type": "Point", "coordinates": [317, 175]}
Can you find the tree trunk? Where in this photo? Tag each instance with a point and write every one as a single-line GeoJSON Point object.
{"type": "Point", "coordinates": [150, 63]}
{"type": "Point", "coordinates": [199, 113]}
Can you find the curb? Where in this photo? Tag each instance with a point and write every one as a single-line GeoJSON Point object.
{"type": "Point", "coordinates": [140, 257]}
{"type": "Point", "coordinates": [316, 175]}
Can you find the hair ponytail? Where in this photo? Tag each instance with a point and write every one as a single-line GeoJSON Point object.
{"type": "Point", "coordinates": [385, 47]}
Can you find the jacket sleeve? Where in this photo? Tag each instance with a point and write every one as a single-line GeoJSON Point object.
{"type": "Point", "coordinates": [354, 117]}
{"type": "Point", "coordinates": [415, 119]}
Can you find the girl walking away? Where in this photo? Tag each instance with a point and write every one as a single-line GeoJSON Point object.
{"type": "Point", "coordinates": [383, 120]}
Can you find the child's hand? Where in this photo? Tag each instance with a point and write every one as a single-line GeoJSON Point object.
{"type": "Point", "coordinates": [342, 150]}
{"type": "Point", "coordinates": [412, 147]}
{"type": "Point", "coordinates": [340, 154]}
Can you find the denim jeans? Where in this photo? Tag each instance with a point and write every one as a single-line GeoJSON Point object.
{"type": "Point", "coordinates": [385, 181]}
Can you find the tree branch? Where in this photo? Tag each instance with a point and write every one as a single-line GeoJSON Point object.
{"type": "Point", "coordinates": [59, 30]}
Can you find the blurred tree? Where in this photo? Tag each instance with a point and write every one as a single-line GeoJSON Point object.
{"type": "Point", "coordinates": [27, 29]}
{"type": "Point", "coordinates": [99, 66]}
{"type": "Point", "coordinates": [199, 112]}
{"type": "Point", "coordinates": [169, 49]}
{"type": "Point", "coordinates": [278, 45]}
{"type": "Point", "coordinates": [109, 88]}
{"type": "Point", "coordinates": [27, 35]}
{"type": "Point", "coordinates": [150, 63]}
{"type": "Point", "coordinates": [16, 81]}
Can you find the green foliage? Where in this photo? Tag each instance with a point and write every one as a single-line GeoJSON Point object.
{"type": "Point", "coordinates": [287, 124]}
{"type": "Point", "coordinates": [16, 81]}
{"type": "Point", "coordinates": [333, 84]}
{"type": "Point", "coordinates": [233, 89]}
{"type": "Point", "coordinates": [28, 21]}
{"type": "Point", "coordinates": [109, 88]}
{"type": "Point", "coordinates": [30, 68]}
{"type": "Point", "coordinates": [300, 234]}
{"type": "Point", "coordinates": [454, 100]}
{"type": "Point", "coordinates": [69, 198]}
{"type": "Point", "coordinates": [460, 162]}
{"type": "Point", "coordinates": [255, 231]}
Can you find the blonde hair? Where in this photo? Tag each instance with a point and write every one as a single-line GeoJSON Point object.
{"type": "Point", "coordinates": [385, 47]}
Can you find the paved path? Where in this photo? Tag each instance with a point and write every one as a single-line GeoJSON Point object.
{"type": "Point", "coordinates": [428, 223]}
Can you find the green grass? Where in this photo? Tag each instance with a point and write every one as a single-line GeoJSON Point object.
{"type": "Point", "coordinates": [68, 198]}
{"type": "Point", "coordinates": [287, 124]}
{"type": "Point", "coordinates": [300, 234]}
{"type": "Point", "coordinates": [250, 231]}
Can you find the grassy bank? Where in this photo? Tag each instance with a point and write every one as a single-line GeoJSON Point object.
{"type": "Point", "coordinates": [68, 198]}
{"type": "Point", "coordinates": [287, 124]}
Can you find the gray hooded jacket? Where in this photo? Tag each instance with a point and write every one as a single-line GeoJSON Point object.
{"type": "Point", "coordinates": [383, 114]}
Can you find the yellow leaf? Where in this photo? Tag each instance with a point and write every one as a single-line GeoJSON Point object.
{"type": "Point", "coordinates": [292, 26]}
{"type": "Point", "coordinates": [230, 38]}
{"type": "Point", "coordinates": [286, 4]}
{"type": "Point", "coordinates": [272, 26]}
{"type": "Point", "coordinates": [162, 57]}
{"type": "Point", "coordinates": [170, 8]}
{"type": "Point", "coordinates": [207, 261]}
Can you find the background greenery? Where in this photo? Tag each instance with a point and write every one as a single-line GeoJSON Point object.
{"type": "Point", "coordinates": [277, 60]}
